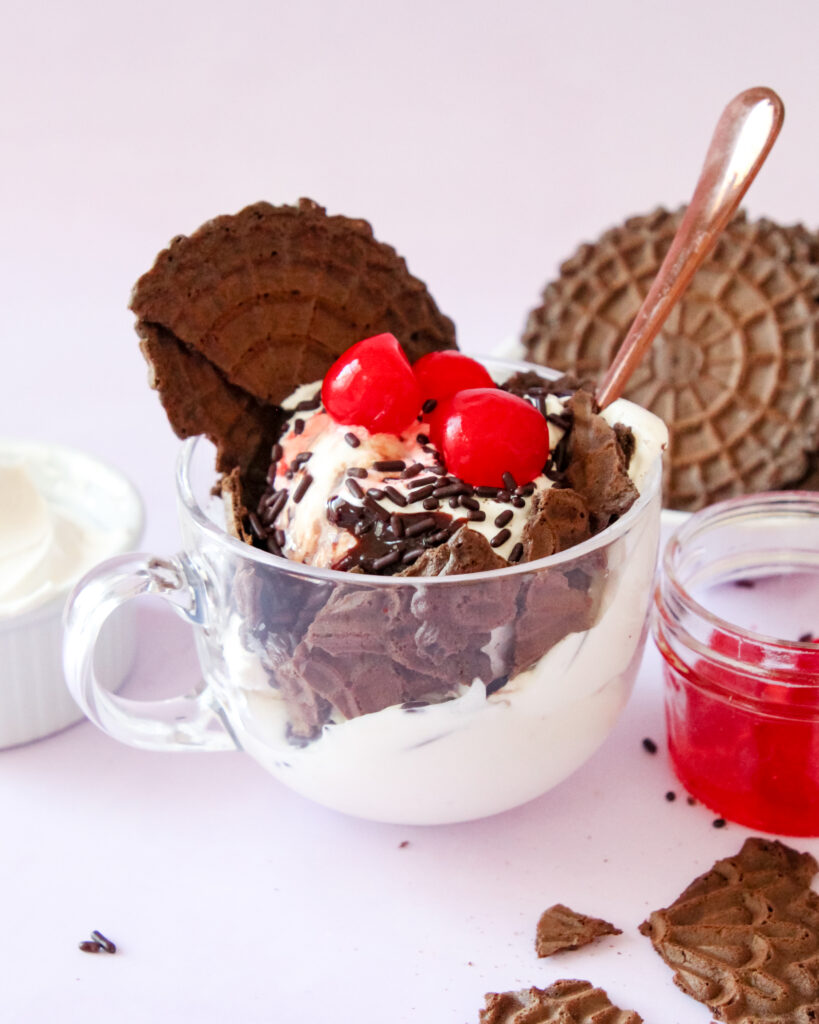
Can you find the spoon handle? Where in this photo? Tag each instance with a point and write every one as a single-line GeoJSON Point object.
{"type": "Point", "coordinates": [742, 140]}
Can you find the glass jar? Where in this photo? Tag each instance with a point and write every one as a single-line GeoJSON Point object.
{"type": "Point", "coordinates": [736, 620]}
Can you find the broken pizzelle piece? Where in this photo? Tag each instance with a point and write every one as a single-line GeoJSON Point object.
{"type": "Point", "coordinates": [743, 938]}
{"type": "Point", "coordinates": [742, 140]}
{"type": "Point", "coordinates": [568, 1000]}
{"type": "Point", "coordinates": [561, 928]}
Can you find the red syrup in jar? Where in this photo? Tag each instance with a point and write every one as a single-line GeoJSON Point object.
{"type": "Point", "coordinates": [742, 708]}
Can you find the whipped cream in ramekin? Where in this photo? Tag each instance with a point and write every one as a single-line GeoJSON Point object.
{"type": "Point", "coordinates": [61, 512]}
{"type": "Point", "coordinates": [43, 547]}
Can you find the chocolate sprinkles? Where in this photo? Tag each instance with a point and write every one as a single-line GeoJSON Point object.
{"type": "Point", "coordinates": [395, 496]}
{"type": "Point", "coordinates": [419, 526]}
{"type": "Point", "coordinates": [421, 493]}
{"type": "Point", "coordinates": [105, 943]}
{"type": "Point", "coordinates": [276, 503]}
{"type": "Point", "coordinates": [449, 489]}
{"type": "Point", "coordinates": [301, 487]}
{"type": "Point", "coordinates": [423, 481]}
{"type": "Point", "coordinates": [385, 560]}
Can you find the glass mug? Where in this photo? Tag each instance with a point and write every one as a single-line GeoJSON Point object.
{"type": "Point", "coordinates": [532, 664]}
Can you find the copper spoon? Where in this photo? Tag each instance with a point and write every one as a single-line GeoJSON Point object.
{"type": "Point", "coordinates": [742, 140]}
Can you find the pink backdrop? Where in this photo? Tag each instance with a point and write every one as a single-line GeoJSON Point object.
{"type": "Point", "coordinates": [484, 141]}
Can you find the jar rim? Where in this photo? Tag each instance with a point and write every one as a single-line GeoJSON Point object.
{"type": "Point", "coordinates": [673, 597]}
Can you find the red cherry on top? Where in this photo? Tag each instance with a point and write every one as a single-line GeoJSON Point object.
{"type": "Point", "coordinates": [441, 374]}
{"type": "Point", "coordinates": [486, 432]}
{"type": "Point", "coordinates": [372, 385]}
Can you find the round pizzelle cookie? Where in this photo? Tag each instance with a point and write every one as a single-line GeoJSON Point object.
{"type": "Point", "coordinates": [254, 304]}
{"type": "Point", "coordinates": [735, 370]}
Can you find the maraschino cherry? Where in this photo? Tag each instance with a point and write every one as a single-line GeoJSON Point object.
{"type": "Point", "coordinates": [442, 374]}
{"type": "Point", "coordinates": [372, 385]}
{"type": "Point", "coordinates": [486, 433]}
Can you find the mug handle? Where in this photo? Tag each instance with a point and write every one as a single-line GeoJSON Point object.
{"type": "Point", "coordinates": [189, 722]}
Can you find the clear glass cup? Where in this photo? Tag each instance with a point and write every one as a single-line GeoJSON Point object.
{"type": "Point", "coordinates": [736, 620]}
{"type": "Point", "coordinates": [542, 657]}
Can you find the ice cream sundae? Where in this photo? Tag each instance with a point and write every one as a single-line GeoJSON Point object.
{"type": "Point", "coordinates": [443, 557]}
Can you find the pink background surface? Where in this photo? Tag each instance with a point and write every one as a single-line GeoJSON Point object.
{"type": "Point", "coordinates": [485, 142]}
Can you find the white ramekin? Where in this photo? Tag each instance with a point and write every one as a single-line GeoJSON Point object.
{"type": "Point", "coordinates": [34, 699]}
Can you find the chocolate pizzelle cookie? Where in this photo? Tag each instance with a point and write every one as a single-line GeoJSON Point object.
{"type": "Point", "coordinates": [735, 370]}
{"type": "Point", "coordinates": [233, 318]}
{"type": "Point", "coordinates": [744, 937]}
{"type": "Point", "coordinates": [564, 1002]}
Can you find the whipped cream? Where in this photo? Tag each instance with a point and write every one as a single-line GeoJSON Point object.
{"type": "Point", "coordinates": [48, 540]}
